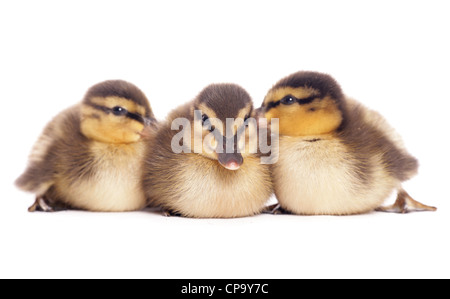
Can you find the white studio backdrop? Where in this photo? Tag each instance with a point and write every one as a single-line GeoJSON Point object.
{"type": "Point", "coordinates": [390, 55]}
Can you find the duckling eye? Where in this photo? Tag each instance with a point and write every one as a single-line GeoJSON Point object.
{"type": "Point", "coordinates": [207, 123]}
{"type": "Point", "coordinates": [205, 119]}
{"type": "Point", "coordinates": [288, 100]}
{"type": "Point", "coordinates": [246, 120]}
{"type": "Point", "coordinates": [119, 111]}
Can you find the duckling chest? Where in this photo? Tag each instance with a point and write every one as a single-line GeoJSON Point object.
{"type": "Point", "coordinates": [114, 183]}
{"type": "Point", "coordinates": [314, 176]}
{"type": "Point", "coordinates": [210, 190]}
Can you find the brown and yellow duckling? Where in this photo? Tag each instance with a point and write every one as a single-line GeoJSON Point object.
{"type": "Point", "coordinates": [203, 167]}
{"type": "Point", "coordinates": [90, 156]}
{"type": "Point", "coordinates": [336, 156]}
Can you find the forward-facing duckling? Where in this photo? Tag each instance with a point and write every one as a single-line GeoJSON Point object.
{"type": "Point", "coordinates": [336, 156]}
{"type": "Point", "coordinates": [90, 155]}
{"type": "Point", "coordinates": [203, 166]}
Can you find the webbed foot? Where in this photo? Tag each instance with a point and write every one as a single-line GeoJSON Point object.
{"type": "Point", "coordinates": [169, 213]}
{"type": "Point", "coordinates": [405, 204]}
{"type": "Point", "coordinates": [41, 204]}
{"type": "Point", "coordinates": [275, 209]}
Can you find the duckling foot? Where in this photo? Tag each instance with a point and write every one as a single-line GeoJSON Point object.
{"type": "Point", "coordinates": [169, 213]}
{"type": "Point", "coordinates": [405, 204]}
{"type": "Point", "coordinates": [275, 209]}
{"type": "Point", "coordinates": [40, 204]}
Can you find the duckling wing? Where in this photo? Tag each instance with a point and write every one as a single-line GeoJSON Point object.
{"type": "Point", "coordinates": [47, 151]}
{"type": "Point", "coordinates": [368, 134]}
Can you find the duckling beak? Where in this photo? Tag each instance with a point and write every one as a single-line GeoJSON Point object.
{"type": "Point", "coordinates": [149, 121]}
{"type": "Point", "coordinates": [261, 118]}
{"type": "Point", "coordinates": [231, 161]}
{"type": "Point", "coordinates": [150, 125]}
{"type": "Point", "coordinates": [259, 113]}
{"type": "Point", "coordinates": [230, 157]}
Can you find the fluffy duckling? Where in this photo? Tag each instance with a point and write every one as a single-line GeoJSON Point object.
{"type": "Point", "coordinates": [90, 156]}
{"type": "Point", "coordinates": [336, 156]}
{"type": "Point", "coordinates": [207, 169]}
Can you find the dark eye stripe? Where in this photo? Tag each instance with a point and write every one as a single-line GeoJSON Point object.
{"type": "Point", "coordinates": [136, 117]}
{"type": "Point", "coordinates": [107, 110]}
{"type": "Point", "coordinates": [306, 100]}
{"type": "Point", "coordinates": [273, 105]}
{"type": "Point", "coordinates": [300, 101]}
{"type": "Point", "coordinates": [101, 108]}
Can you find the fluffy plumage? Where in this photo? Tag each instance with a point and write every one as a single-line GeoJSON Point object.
{"type": "Point", "coordinates": [196, 184]}
{"type": "Point", "coordinates": [336, 156]}
{"type": "Point", "coordinates": [82, 161]}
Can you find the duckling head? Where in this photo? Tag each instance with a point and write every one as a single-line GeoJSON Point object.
{"type": "Point", "coordinates": [222, 115]}
{"type": "Point", "coordinates": [306, 104]}
{"type": "Point", "coordinates": [115, 111]}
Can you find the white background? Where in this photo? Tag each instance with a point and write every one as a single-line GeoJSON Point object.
{"type": "Point", "coordinates": [391, 55]}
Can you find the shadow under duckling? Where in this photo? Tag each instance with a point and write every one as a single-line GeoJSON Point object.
{"type": "Point", "coordinates": [90, 156]}
{"type": "Point", "coordinates": [202, 166]}
{"type": "Point", "coordinates": [336, 157]}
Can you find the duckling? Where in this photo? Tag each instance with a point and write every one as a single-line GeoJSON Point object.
{"type": "Point", "coordinates": [204, 166]}
{"type": "Point", "coordinates": [336, 156]}
{"type": "Point", "coordinates": [90, 156]}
